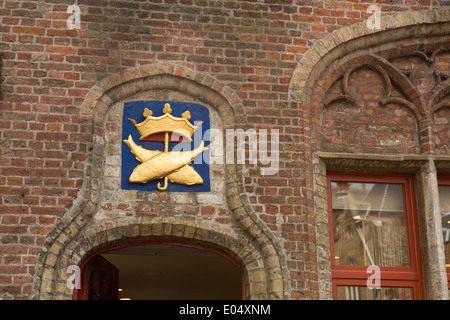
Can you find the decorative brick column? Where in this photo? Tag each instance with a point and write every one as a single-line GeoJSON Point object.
{"type": "Point", "coordinates": [433, 256]}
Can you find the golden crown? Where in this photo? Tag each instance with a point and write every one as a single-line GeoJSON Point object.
{"type": "Point", "coordinates": [165, 123]}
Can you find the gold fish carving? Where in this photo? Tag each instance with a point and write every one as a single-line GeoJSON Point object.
{"type": "Point", "coordinates": [158, 165]}
{"type": "Point", "coordinates": [171, 166]}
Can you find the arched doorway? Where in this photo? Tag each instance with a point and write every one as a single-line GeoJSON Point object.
{"type": "Point", "coordinates": [160, 270]}
{"type": "Point", "coordinates": [81, 231]}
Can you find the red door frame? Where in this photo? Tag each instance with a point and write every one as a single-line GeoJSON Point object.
{"type": "Point", "coordinates": [411, 276]}
{"type": "Point", "coordinates": [101, 280]}
{"type": "Point", "coordinates": [444, 180]}
{"type": "Point", "coordinates": [80, 294]}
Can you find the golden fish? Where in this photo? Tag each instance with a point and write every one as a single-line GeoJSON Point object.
{"type": "Point", "coordinates": [157, 165]}
{"type": "Point", "coordinates": [140, 153]}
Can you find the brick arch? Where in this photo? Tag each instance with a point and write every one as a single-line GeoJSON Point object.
{"type": "Point", "coordinates": [439, 102]}
{"type": "Point", "coordinates": [114, 89]}
{"type": "Point", "coordinates": [327, 60]}
{"type": "Point", "coordinates": [440, 91]}
{"type": "Point", "coordinates": [332, 56]}
{"type": "Point", "coordinates": [388, 73]}
{"type": "Point", "coordinates": [143, 230]}
{"type": "Point", "coordinates": [354, 37]}
{"type": "Point", "coordinates": [361, 47]}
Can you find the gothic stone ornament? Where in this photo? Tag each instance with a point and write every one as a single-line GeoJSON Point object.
{"type": "Point", "coordinates": [171, 166]}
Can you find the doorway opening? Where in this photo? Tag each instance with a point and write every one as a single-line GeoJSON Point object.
{"type": "Point", "coordinates": [161, 271]}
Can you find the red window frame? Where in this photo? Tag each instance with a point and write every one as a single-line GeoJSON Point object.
{"type": "Point", "coordinates": [411, 276]}
{"type": "Point", "coordinates": [444, 180]}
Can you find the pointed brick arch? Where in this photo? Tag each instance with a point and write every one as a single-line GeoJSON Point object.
{"type": "Point", "coordinates": [329, 59]}
{"type": "Point", "coordinates": [265, 266]}
{"type": "Point", "coordinates": [351, 38]}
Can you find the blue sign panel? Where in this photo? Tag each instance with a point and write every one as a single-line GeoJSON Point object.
{"type": "Point", "coordinates": [199, 117]}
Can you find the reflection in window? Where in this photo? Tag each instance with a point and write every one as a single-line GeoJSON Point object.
{"type": "Point", "coordinates": [369, 224]}
{"type": "Point", "coordinates": [444, 202]}
{"type": "Point", "coordinates": [364, 293]}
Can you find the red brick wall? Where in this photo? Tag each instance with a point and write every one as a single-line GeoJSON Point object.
{"type": "Point", "coordinates": [385, 101]}
{"type": "Point", "coordinates": [365, 127]}
{"type": "Point", "coordinates": [251, 46]}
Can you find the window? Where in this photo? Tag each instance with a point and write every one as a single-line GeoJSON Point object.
{"type": "Point", "coordinates": [373, 222]}
{"type": "Point", "coordinates": [444, 203]}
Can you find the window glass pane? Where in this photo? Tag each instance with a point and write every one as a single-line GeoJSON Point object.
{"type": "Point", "coordinates": [369, 224]}
{"type": "Point", "coordinates": [364, 293]}
{"type": "Point", "coordinates": [444, 201]}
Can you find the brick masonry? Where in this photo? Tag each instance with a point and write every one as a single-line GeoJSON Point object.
{"type": "Point", "coordinates": [310, 69]}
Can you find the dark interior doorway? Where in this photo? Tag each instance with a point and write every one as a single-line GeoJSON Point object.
{"type": "Point", "coordinates": [165, 272]}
